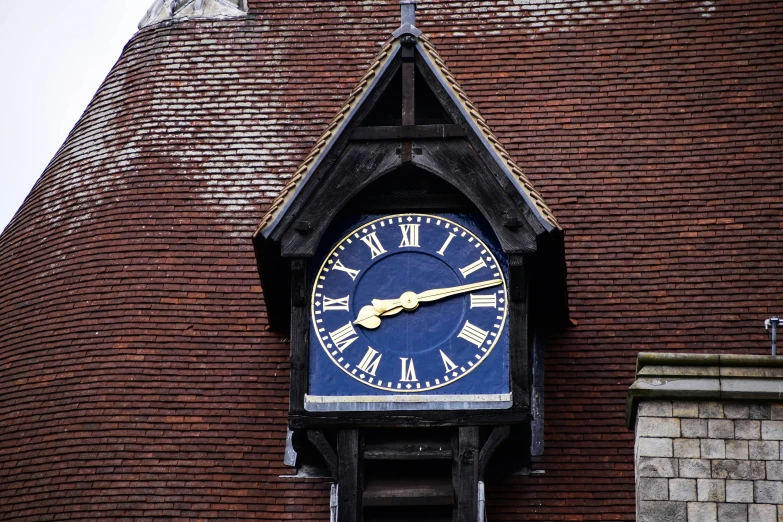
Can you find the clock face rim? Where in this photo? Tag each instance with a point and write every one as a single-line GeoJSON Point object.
{"type": "Point", "coordinates": [313, 330]}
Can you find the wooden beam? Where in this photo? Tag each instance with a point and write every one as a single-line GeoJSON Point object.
{"type": "Point", "coordinates": [456, 162]}
{"type": "Point", "coordinates": [496, 438]}
{"type": "Point", "coordinates": [385, 419]}
{"type": "Point", "coordinates": [465, 474]}
{"type": "Point", "coordinates": [408, 491]}
{"type": "Point", "coordinates": [518, 331]}
{"type": "Point", "coordinates": [408, 92]}
{"type": "Point", "coordinates": [300, 336]}
{"type": "Point", "coordinates": [409, 132]}
{"type": "Point", "coordinates": [406, 450]}
{"type": "Point", "coordinates": [440, 91]}
{"type": "Point", "coordinates": [318, 439]}
{"type": "Point", "coordinates": [336, 148]}
{"type": "Point", "coordinates": [349, 491]}
{"type": "Point", "coordinates": [359, 165]}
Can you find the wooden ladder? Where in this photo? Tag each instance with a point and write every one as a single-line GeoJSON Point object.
{"type": "Point", "coordinates": [422, 474]}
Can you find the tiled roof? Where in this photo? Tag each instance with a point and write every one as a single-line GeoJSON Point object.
{"type": "Point", "coordinates": [137, 377]}
{"type": "Point", "coordinates": [533, 197]}
{"type": "Point", "coordinates": [332, 130]}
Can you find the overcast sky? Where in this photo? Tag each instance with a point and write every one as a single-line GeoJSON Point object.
{"type": "Point", "coordinates": [54, 54]}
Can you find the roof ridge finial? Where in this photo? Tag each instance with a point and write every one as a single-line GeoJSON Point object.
{"type": "Point", "coordinates": [408, 8]}
{"type": "Point", "coordinates": [408, 19]}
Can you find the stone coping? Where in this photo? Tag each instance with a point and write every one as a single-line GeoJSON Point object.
{"type": "Point", "coordinates": [704, 377]}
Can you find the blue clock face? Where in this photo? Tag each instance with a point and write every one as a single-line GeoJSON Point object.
{"type": "Point", "coordinates": [408, 303]}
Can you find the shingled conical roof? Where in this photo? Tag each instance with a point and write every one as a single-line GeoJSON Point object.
{"type": "Point", "coordinates": [137, 377]}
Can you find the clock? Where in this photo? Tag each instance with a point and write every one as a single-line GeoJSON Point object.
{"type": "Point", "coordinates": [410, 304]}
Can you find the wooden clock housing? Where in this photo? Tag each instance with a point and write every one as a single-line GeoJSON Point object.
{"type": "Point", "coordinates": [408, 139]}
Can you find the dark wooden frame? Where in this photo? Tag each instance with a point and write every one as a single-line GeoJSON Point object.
{"type": "Point", "coordinates": [363, 155]}
{"type": "Point", "coordinates": [518, 413]}
{"type": "Point", "coordinates": [454, 150]}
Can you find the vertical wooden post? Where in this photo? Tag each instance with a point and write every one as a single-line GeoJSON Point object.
{"type": "Point", "coordinates": [465, 474]}
{"type": "Point", "coordinates": [300, 335]}
{"type": "Point", "coordinates": [408, 92]}
{"type": "Point", "coordinates": [350, 485]}
{"type": "Point", "coordinates": [518, 334]}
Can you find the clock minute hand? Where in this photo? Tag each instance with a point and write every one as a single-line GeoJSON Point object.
{"type": "Point", "coordinates": [441, 293]}
{"type": "Point", "coordinates": [370, 315]}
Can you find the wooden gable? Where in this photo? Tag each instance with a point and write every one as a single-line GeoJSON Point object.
{"type": "Point", "coordinates": [407, 115]}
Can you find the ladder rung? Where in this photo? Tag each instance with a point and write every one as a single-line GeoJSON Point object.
{"type": "Point", "coordinates": [407, 450]}
{"type": "Point", "coordinates": [408, 491]}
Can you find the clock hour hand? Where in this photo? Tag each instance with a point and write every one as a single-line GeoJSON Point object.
{"type": "Point", "coordinates": [370, 316]}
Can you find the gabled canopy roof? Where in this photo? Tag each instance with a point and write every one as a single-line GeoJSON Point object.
{"type": "Point", "coordinates": [297, 219]}
{"type": "Point", "coordinates": [344, 116]}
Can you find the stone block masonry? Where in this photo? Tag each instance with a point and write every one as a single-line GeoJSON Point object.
{"type": "Point", "coordinates": [702, 455]}
{"type": "Point", "coordinates": [709, 471]}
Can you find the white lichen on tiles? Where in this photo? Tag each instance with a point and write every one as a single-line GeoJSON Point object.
{"type": "Point", "coordinates": [162, 10]}
{"type": "Point", "coordinates": [548, 15]}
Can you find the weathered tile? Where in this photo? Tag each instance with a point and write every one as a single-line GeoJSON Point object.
{"type": "Point", "coordinates": [657, 427]}
{"type": "Point", "coordinates": [657, 467]}
{"type": "Point", "coordinates": [720, 429]}
{"type": "Point", "coordinates": [747, 429]}
{"type": "Point", "coordinates": [732, 513]}
{"type": "Point", "coordinates": [702, 512]}
{"type": "Point", "coordinates": [772, 430]}
{"type": "Point", "coordinates": [713, 449]}
{"type": "Point", "coordinates": [739, 469]}
{"type": "Point", "coordinates": [655, 409]}
{"type": "Point", "coordinates": [687, 448]}
{"type": "Point", "coordinates": [761, 512]}
{"type": "Point", "coordinates": [768, 491]}
{"type": "Point", "coordinates": [736, 410]}
{"type": "Point", "coordinates": [711, 490]}
{"type": "Point", "coordinates": [649, 447]}
{"type": "Point", "coordinates": [656, 511]}
{"type": "Point", "coordinates": [739, 491]}
{"type": "Point", "coordinates": [694, 428]}
{"type": "Point", "coordinates": [775, 470]}
{"type": "Point", "coordinates": [710, 410]}
{"type": "Point", "coordinates": [682, 489]}
{"type": "Point", "coordinates": [694, 468]}
{"type": "Point", "coordinates": [736, 449]}
{"type": "Point", "coordinates": [685, 409]}
{"type": "Point", "coordinates": [760, 411]}
{"type": "Point", "coordinates": [653, 489]}
{"type": "Point", "coordinates": [764, 450]}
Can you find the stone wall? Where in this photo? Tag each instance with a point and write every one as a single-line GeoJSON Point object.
{"type": "Point", "coordinates": [709, 461]}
